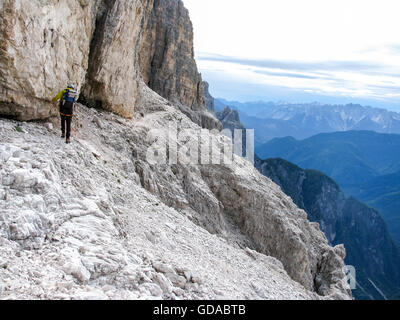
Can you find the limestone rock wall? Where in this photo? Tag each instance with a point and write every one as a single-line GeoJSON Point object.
{"type": "Point", "coordinates": [113, 77]}
{"type": "Point", "coordinates": [105, 47]}
{"type": "Point", "coordinates": [43, 45]}
{"type": "Point", "coordinates": [167, 64]}
{"type": "Point", "coordinates": [167, 55]}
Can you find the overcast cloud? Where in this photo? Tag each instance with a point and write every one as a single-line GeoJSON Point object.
{"type": "Point", "coordinates": [310, 49]}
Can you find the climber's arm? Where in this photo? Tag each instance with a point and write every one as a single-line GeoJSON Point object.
{"type": "Point", "coordinates": [59, 95]}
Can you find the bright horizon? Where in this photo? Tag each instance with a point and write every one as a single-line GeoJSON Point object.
{"type": "Point", "coordinates": [299, 51]}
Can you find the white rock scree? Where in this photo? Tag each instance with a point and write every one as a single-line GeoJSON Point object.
{"type": "Point", "coordinates": [77, 222]}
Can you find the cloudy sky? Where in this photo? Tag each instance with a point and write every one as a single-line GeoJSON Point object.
{"type": "Point", "coordinates": [333, 51]}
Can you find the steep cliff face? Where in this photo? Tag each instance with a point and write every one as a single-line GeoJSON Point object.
{"type": "Point", "coordinates": [167, 55]}
{"type": "Point", "coordinates": [113, 77]}
{"type": "Point", "coordinates": [102, 46]}
{"type": "Point", "coordinates": [167, 63]}
{"type": "Point", "coordinates": [44, 45]}
{"type": "Point", "coordinates": [343, 220]}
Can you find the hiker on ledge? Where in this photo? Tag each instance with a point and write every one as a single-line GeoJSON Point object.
{"type": "Point", "coordinates": [67, 99]}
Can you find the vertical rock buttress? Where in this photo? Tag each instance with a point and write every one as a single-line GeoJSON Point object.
{"type": "Point", "coordinates": [112, 80]}
{"type": "Point", "coordinates": [43, 46]}
{"type": "Point", "coordinates": [107, 48]}
{"type": "Point", "coordinates": [167, 56]}
{"type": "Point", "coordinates": [167, 63]}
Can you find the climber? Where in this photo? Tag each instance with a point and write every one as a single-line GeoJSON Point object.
{"type": "Point", "coordinates": [67, 99]}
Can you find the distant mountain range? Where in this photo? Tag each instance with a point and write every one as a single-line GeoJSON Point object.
{"type": "Point", "coordinates": [282, 119]}
{"type": "Point", "coordinates": [366, 165]}
{"type": "Point", "coordinates": [357, 146]}
{"type": "Point", "coordinates": [370, 247]}
{"type": "Point", "coordinates": [383, 193]}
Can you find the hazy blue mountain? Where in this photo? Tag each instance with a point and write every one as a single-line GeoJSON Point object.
{"type": "Point", "coordinates": [274, 120]}
{"type": "Point", "coordinates": [383, 193]}
{"type": "Point", "coordinates": [365, 164]}
{"type": "Point", "coordinates": [219, 105]}
{"type": "Point", "coordinates": [352, 158]}
{"type": "Point", "coordinates": [360, 228]}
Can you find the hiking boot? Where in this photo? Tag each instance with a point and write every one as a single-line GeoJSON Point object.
{"type": "Point", "coordinates": [68, 141]}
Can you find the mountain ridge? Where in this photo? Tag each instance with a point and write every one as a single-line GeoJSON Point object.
{"type": "Point", "coordinates": [364, 163]}
{"type": "Point", "coordinates": [302, 121]}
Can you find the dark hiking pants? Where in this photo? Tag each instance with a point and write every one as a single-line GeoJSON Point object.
{"type": "Point", "coordinates": [66, 124]}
